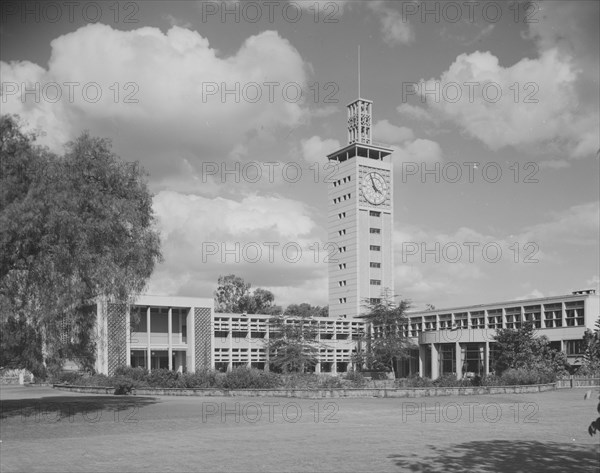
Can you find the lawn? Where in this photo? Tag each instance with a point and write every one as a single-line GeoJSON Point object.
{"type": "Point", "coordinates": [52, 431]}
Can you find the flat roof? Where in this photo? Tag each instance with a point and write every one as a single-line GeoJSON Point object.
{"type": "Point", "coordinates": [467, 308]}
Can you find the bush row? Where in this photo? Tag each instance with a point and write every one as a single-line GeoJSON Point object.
{"type": "Point", "coordinates": [126, 379]}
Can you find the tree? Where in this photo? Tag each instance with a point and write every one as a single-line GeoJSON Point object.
{"type": "Point", "coordinates": [306, 310]}
{"type": "Point", "coordinates": [72, 228]}
{"type": "Point", "coordinates": [385, 341]}
{"type": "Point", "coordinates": [233, 295]}
{"type": "Point", "coordinates": [293, 344]}
{"type": "Point", "coordinates": [591, 351]}
{"type": "Point", "coordinates": [520, 348]}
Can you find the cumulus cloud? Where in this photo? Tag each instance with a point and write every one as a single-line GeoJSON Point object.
{"type": "Point", "coordinates": [418, 151]}
{"type": "Point", "coordinates": [415, 112]}
{"type": "Point", "coordinates": [167, 90]}
{"type": "Point", "coordinates": [386, 132]}
{"type": "Point", "coordinates": [431, 265]}
{"type": "Point", "coordinates": [203, 237]}
{"type": "Point", "coordinates": [395, 28]}
{"type": "Point", "coordinates": [315, 149]}
{"type": "Point", "coordinates": [548, 100]}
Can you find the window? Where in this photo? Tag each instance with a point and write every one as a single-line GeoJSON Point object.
{"type": "Point", "coordinates": [553, 315]}
{"type": "Point", "coordinates": [375, 300]}
{"type": "Point", "coordinates": [477, 319]}
{"type": "Point", "coordinates": [342, 232]}
{"type": "Point", "coordinates": [342, 266]}
{"type": "Point", "coordinates": [342, 249]}
{"type": "Point", "coordinates": [375, 265]}
{"type": "Point", "coordinates": [574, 347]}
{"type": "Point", "coordinates": [342, 300]}
{"type": "Point", "coordinates": [341, 215]}
{"type": "Point", "coordinates": [574, 313]}
{"type": "Point", "coordinates": [533, 315]}
{"type": "Point", "coordinates": [374, 230]}
{"type": "Point", "coordinates": [495, 318]}
{"type": "Point", "coordinates": [342, 283]}
{"type": "Point", "coordinates": [375, 248]}
{"type": "Point", "coordinates": [513, 317]}
{"type": "Point", "coordinates": [375, 282]}
{"type": "Point", "coordinates": [372, 213]}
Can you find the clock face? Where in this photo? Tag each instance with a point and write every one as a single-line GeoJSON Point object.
{"type": "Point", "coordinates": [374, 188]}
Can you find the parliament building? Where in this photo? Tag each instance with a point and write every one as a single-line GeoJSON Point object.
{"type": "Point", "coordinates": [186, 334]}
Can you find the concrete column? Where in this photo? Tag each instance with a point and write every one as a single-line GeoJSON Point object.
{"type": "Point", "coordinates": [458, 360]}
{"type": "Point", "coordinates": [318, 367]}
{"type": "Point", "coordinates": [486, 370]}
{"type": "Point", "coordinates": [422, 357]}
{"type": "Point", "coordinates": [435, 366]}
{"type": "Point", "coordinates": [191, 342]}
{"type": "Point", "coordinates": [170, 335]}
{"type": "Point", "coordinates": [128, 340]}
{"type": "Point", "coordinates": [148, 350]}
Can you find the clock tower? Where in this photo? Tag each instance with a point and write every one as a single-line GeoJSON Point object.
{"type": "Point", "coordinates": [360, 217]}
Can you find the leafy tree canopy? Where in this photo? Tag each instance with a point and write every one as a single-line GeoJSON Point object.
{"type": "Point", "coordinates": [385, 343]}
{"type": "Point", "coordinates": [72, 228]}
{"type": "Point", "coordinates": [306, 310]}
{"type": "Point", "coordinates": [521, 348]}
{"type": "Point", "coordinates": [233, 295]}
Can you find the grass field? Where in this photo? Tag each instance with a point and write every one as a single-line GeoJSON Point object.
{"type": "Point", "coordinates": [52, 431]}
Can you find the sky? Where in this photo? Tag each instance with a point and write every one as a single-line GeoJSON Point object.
{"type": "Point", "coordinates": [492, 109]}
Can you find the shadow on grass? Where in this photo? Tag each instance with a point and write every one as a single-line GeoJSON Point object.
{"type": "Point", "coordinates": [503, 455]}
{"type": "Point", "coordinates": [55, 408]}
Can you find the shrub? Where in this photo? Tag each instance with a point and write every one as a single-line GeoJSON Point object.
{"type": "Point", "coordinates": [356, 378]}
{"type": "Point", "coordinates": [199, 379]}
{"type": "Point", "coordinates": [123, 384]}
{"type": "Point", "coordinates": [300, 381]}
{"type": "Point", "coordinates": [250, 378]}
{"type": "Point", "coordinates": [96, 380]}
{"type": "Point", "coordinates": [524, 376]}
{"type": "Point", "coordinates": [66, 377]}
{"type": "Point", "coordinates": [418, 382]}
{"type": "Point", "coordinates": [163, 378]}
{"type": "Point", "coordinates": [138, 373]}
{"type": "Point", "coordinates": [330, 382]}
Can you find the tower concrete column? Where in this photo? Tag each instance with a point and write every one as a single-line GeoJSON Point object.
{"type": "Point", "coordinates": [435, 366]}
{"type": "Point", "coordinates": [458, 360]}
{"type": "Point", "coordinates": [170, 335]}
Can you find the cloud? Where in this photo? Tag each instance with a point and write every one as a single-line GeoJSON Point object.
{"type": "Point", "coordinates": [315, 149]}
{"type": "Point", "coordinates": [549, 101]}
{"type": "Point", "coordinates": [431, 265]}
{"type": "Point", "coordinates": [414, 112]}
{"type": "Point", "coordinates": [271, 241]}
{"type": "Point", "coordinates": [386, 132]}
{"type": "Point", "coordinates": [163, 93]}
{"type": "Point", "coordinates": [554, 164]}
{"type": "Point", "coordinates": [418, 151]}
{"type": "Point", "coordinates": [395, 28]}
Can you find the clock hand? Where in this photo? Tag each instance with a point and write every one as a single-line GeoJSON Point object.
{"type": "Point", "coordinates": [373, 183]}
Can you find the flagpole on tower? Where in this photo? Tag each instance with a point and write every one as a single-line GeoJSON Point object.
{"type": "Point", "coordinates": [359, 71]}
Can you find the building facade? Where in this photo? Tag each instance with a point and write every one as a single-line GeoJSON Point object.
{"type": "Point", "coordinates": [360, 217]}
{"type": "Point", "coordinates": [460, 340]}
{"type": "Point", "coordinates": [185, 334]}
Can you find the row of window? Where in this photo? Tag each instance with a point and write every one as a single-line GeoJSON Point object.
{"type": "Point", "coordinates": [342, 197]}
{"type": "Point", "coordinates": [339, 182]}
{"type": "Point", "coordinates": [371, 264]}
